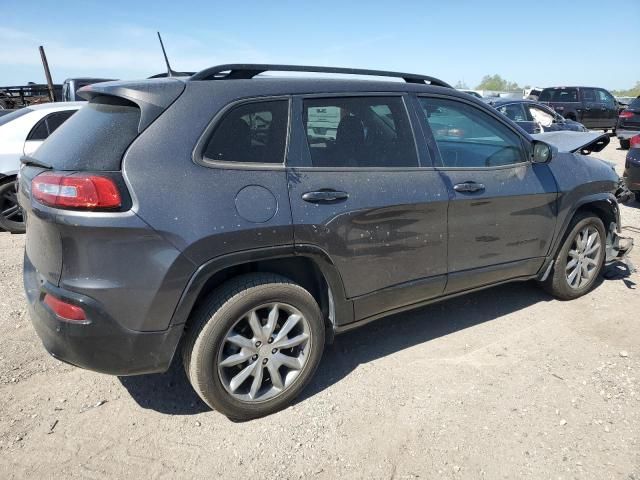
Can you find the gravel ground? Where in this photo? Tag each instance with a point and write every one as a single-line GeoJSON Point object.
{"type": "Point", "coordinates": [506, 383]}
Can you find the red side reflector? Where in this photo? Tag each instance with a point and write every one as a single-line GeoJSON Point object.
{"type": "Point", "coordinates": [635, 141]}
{"type": "Point", "coordinates": [78, 190]}
{"type": "Point", "coordinates": [64, 310]}
{"type": "Point", "coordinates": [626, 114]}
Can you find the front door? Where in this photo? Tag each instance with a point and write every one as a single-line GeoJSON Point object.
{"type": "Point", "coordinates": [608, 108]}
{"type": "Point", "coordinates": [359, 193]}
{"type": "Point", "coordinates": [502, 210]}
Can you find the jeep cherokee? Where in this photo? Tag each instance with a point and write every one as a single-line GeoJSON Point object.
{"type": "Point", "coordinates": [243, 220]}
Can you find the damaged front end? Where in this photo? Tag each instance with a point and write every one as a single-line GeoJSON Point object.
{"type": "Point", "coordinates": [618, 247]}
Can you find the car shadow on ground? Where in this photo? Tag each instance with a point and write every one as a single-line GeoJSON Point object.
{"type": "Point", "coordinates": [171, 392]}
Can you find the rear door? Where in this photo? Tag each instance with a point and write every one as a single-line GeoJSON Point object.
{"type": "Point", "coordinates": [590, 110]}
{"type": "Point", "coordinates": [362, 191]}
{"type": "Point", "coordinates": [502, 208]}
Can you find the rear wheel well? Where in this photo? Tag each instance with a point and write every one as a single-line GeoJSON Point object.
{"type": "Point", "coordinates": [300, 270]}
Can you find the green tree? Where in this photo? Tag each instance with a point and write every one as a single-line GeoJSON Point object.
{"type": "Point", "coordinates": [496, 82]}
{"type": "Point", "coordinates": [632, 92]}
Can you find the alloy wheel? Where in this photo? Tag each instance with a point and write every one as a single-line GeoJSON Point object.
{"type": "Point", "coordinates": [264, 352]}
{"type": "Point", "coordinates": [584, 257]}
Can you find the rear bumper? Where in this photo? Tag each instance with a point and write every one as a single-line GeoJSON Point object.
{"type": "Point", "coordinates": [101, 344]}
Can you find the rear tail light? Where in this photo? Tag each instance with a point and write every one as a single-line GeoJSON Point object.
{"type": "Point", "coordinates": [82, 191]}
{"type": "Point", "coordinates": [626, 114]}
{"type": "Point", "coordinates": [634, 142]}
{"type": "Point", "coordinates": [65, 310]}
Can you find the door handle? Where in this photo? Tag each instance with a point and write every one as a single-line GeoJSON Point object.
{"type": "Point", "coordinates": [325, 196]}
{"type": "Point", "coordinates": [468, 187]}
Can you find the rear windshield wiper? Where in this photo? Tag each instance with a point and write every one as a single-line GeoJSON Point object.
{"type": "Point", "coordinates": [32, 162]}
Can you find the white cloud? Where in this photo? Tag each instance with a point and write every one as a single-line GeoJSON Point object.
{"type": "Point", "coordinates": [132, 52]}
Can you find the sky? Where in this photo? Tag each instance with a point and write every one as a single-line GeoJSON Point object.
{"type": "Point", "coordinates": [536, 42]}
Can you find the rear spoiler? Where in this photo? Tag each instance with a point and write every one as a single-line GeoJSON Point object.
{"type": "Point", "coordinates": [583, 142]}
{"type": "Point", "coordinates": [151, 96]}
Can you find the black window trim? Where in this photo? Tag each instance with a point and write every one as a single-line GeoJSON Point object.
{"type": "Point", "coordinates": [43, 120]}
{"type": "Point", "coordinates": [525, 141]}
{"type": "Point", "coordinates": [199, 158]}
{"type": "Point", "coordinates": [423, 155]}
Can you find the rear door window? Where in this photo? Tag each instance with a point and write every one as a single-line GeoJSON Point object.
{"type": "Point", "coordinates": [359, 132]}
{"type": "Point", "coordinates": [589, 95]}
{"type": "Point", "coordinates": [565, 95]}
{"type": "Point", "coordinates": [514, 111]}
{"type": "Point", "coordinates": [255, 132]}
{"type": "Point", "coordinates": [468, 137]}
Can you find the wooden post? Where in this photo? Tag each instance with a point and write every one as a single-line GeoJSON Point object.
{"type": "Point", "coordinates": [47, 73]}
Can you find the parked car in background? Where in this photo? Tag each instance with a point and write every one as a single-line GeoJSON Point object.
{"type": "Point", "coordinates": [628, 123]}
{"type": "Point", "coordinates": [473, 93]}
{"type": "Point", "coordinates": [534, 117]}
{"type": "Point", "coordinates": [624, 101]}
{"type": "Point", "coordinates": [595, 108]}
{"type": "Point", "coordinates": [632, 167]}
{"type": "Point", "coordinates": [21, 133]}
{"type": "Point", "coordinates": [531, 93]}
{"type": "Point", "coordinates": [71, 86]}
{"type": "Point", "coordinates": [279, 237]}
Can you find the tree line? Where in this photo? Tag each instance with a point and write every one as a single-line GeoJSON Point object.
{"type": "Point", "coordinates": [496, 82]}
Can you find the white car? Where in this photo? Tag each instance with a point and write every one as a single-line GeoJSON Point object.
{"type": "Point", "coordinates": [21, 133]}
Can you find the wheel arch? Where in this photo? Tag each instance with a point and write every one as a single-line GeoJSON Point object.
{"type": "Point", "coordinates": [308, 266]}
{"type": "Point", "coordinates": [603, 205]}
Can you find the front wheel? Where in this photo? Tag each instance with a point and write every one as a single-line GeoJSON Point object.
{"type": "Point", "coordinates": [625, 144]}
{"type": "Point", "coordinates": [11, 216]}
{"type": "Point", "coordinates": [580, 259]}
{"type": "Point", "coordinates": [254, 345]}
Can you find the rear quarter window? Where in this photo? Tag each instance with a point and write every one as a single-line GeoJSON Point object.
{"type": "Point", "coordinates": [94, 138]}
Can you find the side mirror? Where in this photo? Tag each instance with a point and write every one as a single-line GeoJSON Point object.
{"type": "Point", "coordinates": [542, 152]}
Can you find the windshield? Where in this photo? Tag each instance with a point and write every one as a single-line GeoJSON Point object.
{"type": "Point", "coordinates": [9, 117]}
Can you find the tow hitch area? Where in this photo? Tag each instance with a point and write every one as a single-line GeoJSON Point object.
{"type": "Point", "coordinates": [618, 248]}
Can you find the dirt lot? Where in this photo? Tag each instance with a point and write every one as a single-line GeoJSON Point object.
{"type": "Point", "coordinates": [506, 383]}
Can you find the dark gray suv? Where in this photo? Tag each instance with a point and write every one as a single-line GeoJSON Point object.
{"type": "Point", "coordinates": [243, 220]}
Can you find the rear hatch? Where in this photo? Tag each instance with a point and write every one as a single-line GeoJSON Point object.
{"type": "Point", "coordinates": [629, 118]}
{"type": "Point", "coordinates": [91, 143]}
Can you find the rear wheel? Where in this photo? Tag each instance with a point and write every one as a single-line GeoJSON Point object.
{"type": "Point", "coordinates": [625, 144]}
{"type": "Point", "coordinates": [254, 345]}
{"type": "Point", "coordinates": [11, 216]}
{"type": "Point", "coordinates": [580, 259]}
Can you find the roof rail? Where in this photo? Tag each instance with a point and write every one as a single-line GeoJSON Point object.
{"type": "Point", "coordinates": [250, 70]}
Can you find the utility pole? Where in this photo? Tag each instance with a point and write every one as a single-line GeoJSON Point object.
{"type": "Point", "coordinates": [47, 73]}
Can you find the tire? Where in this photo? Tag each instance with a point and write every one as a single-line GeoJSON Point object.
{"type": "Point", "coordinates": [625, 144]}
{"type": "Point", "coordinates": [11, 220]}
{"type": "Point", "coordinates": [206, 348]}
{"type": "Point", "coordinates": [637, 194]}
{"type": "Point", "coordinates": [557, 284]}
